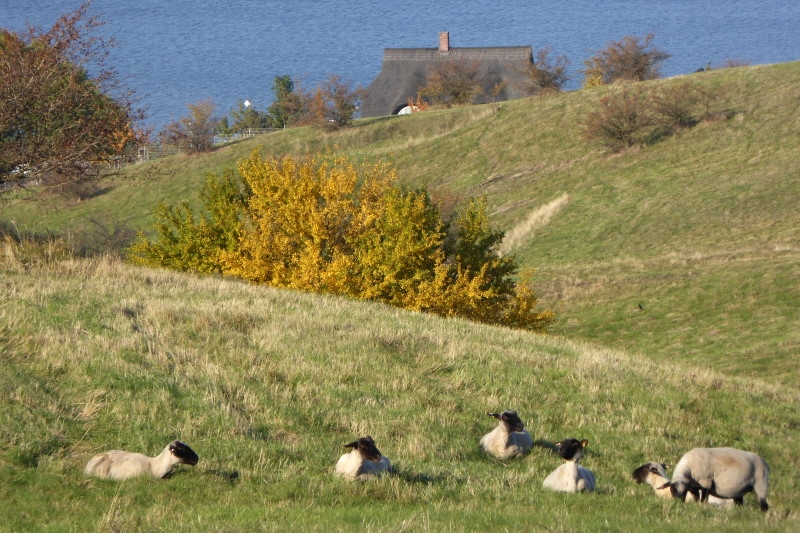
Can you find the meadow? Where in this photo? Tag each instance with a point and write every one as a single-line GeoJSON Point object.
{"type": "Point", "coordinates": [674, 270]}
{"type": "Point", "coordinates": [268, 385]}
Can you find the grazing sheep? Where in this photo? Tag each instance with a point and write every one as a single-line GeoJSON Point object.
{"type": "Point", "coordinates": [655, 475]}
{"type": "Point", "coordinates": [116, 464]}
{"type": "Point", "coordinates": [364, 460]}
{"type": "Point", "coordinates": [509, 439]}
{"type": "Point", "coordinates": [570, 477]}
{"type": "Point", "coordinates": [721, 472]}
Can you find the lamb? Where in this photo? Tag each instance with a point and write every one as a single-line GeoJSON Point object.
{"type": "Point", "coordinates": [509, 439]}
{"type": "Point", "coordinates": [570, 477]}
{"type": "Point", "coordinates": [117, 464]}
{"type": "Point", "coordinates": [365, 460]}
{"type": "Point", "coordinates": [655, 475]}
{"type": "Point", "coordinates": [721, 472]}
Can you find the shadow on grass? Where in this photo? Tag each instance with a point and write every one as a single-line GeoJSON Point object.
{"type": "Point", "coordinates": [545, 444]}
{"type": "Point", "coordinates": [231, 476]}
{"type": "Point", "coordinates": [416, 477]}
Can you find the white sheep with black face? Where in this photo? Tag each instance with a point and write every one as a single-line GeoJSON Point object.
{"type": "Point", "coordinates": [721, 472]}
{"type": "Point", "coordinates": [118, 464]}
{"type": "Point", "coordinates": [365, 460]}
{"type": "Point", "coordinates": [655, 475]}
{"type": "Point", "coordinates": [509, 439]}
{"type": "Point", "coordinates": [570, 477]}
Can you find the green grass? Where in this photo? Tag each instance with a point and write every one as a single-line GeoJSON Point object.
{"type": "Point", "coordinates": [674, 270]}
{"type": "Point", "coordinates": [267, 385]}
{"type": "Point", "coordinates": [699, 228]}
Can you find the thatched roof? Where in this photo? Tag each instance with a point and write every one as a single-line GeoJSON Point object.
{"type": "Point", "coordinates": [405, 70]}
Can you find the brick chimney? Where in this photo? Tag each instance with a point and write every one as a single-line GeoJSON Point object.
{"type": "Point", "coordinates": [444, 42]}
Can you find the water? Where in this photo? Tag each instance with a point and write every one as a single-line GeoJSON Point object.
{"type": "Point", "coordinates": [181, 51]}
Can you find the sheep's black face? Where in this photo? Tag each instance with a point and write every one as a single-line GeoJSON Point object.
{"type": "Point", "coordinates": [571, 449]}
{"type": "Point", "coordinates": [679, 489]}
{"type": "Point", "coordinates": [513, 421]}
{"type": "Point", "coordinates": [510, 420]}
{"type": "Point", "coordinates": [182, 451]}
{"type": "Point", "coordinates": [367, 448]}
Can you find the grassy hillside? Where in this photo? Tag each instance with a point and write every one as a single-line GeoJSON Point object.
{"type": "Point", "coordinates": [267, 385]}
{"type": "Point", "coordinates": [688, 250]}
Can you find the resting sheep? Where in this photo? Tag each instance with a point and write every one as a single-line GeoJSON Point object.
{"type": "Point", "coordinates": [570, 477]}
{"type": "Point", "coordinates": [509, 439]}
{"type": "Point", "coordinates": [117, 464]}
{"type": "Point", "coordinates": [655, 475]}
{"type": "Point", "coordinates": [364, 460]}
{"type": "Point", "coordinates": [721, 472]}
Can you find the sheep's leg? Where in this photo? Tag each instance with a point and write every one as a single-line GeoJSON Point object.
{"type": "Point", "coordinates": [699, 494]}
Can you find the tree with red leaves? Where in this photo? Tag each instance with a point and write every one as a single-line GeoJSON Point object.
{"type": "Point", "coordinates": [64, 116]}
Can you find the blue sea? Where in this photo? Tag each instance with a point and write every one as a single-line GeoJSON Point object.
{"type": "Point", "coordinates": [177, 52]}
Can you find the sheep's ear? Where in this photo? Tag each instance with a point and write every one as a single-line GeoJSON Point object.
{"type": "Point", "coordinates": [665, 486]}
{"type": "Point", "coordinates": [584, 442]}
{"type": "Point", "coordinates": [494, 415]}
{"type": "Point", "coordinates": [352, 445]}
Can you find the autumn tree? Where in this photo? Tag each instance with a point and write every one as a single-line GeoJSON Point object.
{"type": "Point", "coordinates": [676, 104]}
{"type": "Point", "coordinates": [194, 131]}
{"type": "Point", "coordinates": [452, 83]}
{"type": "Point", "coordinates": [624, 118]}
{"type": "Point", "coordinates": [632, 59]}
{"type": "Point", "coordinates": [63, 113]}
{"type": "Point", "coordinates": [290, 103]}
{"type": "Point", "coordinates": [326, 224]}
{"type": "Point", "coordinates": [547, 74]}
{"type": "Point", "coordinates": [342, 101]}
{"type": "Point", "coordinates": [634, 114]}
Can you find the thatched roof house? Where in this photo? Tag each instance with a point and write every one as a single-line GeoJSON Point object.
{"type": "Point", "coordinates": [405, 70]}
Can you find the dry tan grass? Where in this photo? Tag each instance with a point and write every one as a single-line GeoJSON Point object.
{"type": "Point", "coordinates": [537, 218]}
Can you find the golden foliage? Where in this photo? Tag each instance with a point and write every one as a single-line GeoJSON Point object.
{"type": "Point", "coordinates": [325, 224]}
{"type": "Point", "coordinates": [592, 73]}
{"type": "Point", "coordinates": [120, 138]}
{"type": "Point", "coordinates": [418, 106]}
{"type": "Point", "coordinates": [303, 218]}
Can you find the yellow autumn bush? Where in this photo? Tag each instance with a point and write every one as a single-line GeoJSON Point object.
{"type": "Point", "coordinates": [326, 224]}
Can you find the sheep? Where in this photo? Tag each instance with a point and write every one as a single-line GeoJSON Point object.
{"type": "Point", "coordinates": [720, 472]}
{"type": "Point", "coordinates": [655, 475]}
{"type": "Point", "coordinates": [117, 464]}
{"type": "Point", "coordinates": [570, 477]}
{"type": "Point", "coordinates": [365, 460]}
{"type": "Point", "coordinates": [509, 439]}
